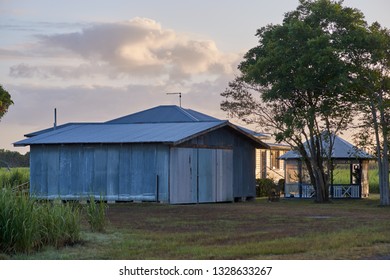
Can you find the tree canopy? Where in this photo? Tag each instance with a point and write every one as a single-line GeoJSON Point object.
{"type": "Point", "coordinates": [5, 101]}
{"type": "Point", "coordinates": [301, 81]}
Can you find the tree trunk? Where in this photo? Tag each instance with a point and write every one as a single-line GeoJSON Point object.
{"type": "Point", "coordinates": [382, 155]}
{"type": "Point", "coordinates": [320, 181]}
{"type": "Point", "coordinates": [384, 182]}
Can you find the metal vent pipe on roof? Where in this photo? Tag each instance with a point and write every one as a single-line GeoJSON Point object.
{"type": "Point", "coordinates": [55, 118]}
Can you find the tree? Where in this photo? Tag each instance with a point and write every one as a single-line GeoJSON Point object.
{"type": "Point", "coordinates": [11, 159]}
{"type": "Point", "coordinates": [5, 101]}
{"type": "Point", "coordinates": [372, 61]}
{"type": "Point", "coordinates": [298, 83]}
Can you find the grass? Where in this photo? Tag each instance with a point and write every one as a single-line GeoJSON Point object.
{"type": "Point", "coordinates": [15, 177]}
{"type": "Point", "coordinates": [289, 229]}
{"type": "Point", "coordinates": [27, 225]}
{"type": "Point", "coordinates": [96, 214]}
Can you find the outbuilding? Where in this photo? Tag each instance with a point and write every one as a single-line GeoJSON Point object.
{"type": "Point", "coordinates": [167, 154]}
{"type": "Point", "coordinates": [349, 176]}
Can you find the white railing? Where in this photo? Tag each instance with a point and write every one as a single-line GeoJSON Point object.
{"type": "Point", "coordinates": [343, 191]}
{"type": "Point", "coordinates": [308, 191]}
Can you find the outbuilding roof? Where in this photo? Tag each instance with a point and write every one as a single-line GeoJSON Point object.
{"type": "Point", "coordinates": [165, 114]}
{"type": "Point", "coordinates": [155, 125]}
{"type": "Point", "coordinates": [342, 149]}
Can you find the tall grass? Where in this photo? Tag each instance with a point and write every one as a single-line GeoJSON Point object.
{"type": "Point", "coordinates": [27, 224]}
{"type": "Point", "coordinates": [96, 214]}
{"type": "Point", "coordinates": [15, 177]}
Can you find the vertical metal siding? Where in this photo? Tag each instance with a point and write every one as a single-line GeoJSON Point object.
{"type": "Point", "coordinates": [64, 173]}
{"type": "Point", "coordinates": [53, 164]}
{"type": "Point", "coordinates": [124, 182]}
{"type": "Point", "coordinates": [162, 172]}
{"type": "Point", "coordinates": [115, 172]}
{"type": "Point", "coordinates": [224, 188]}
{"type": "Point", "coordinates": [201, 175]}
{"type": "Point", "coordinates": [100, 171]}
{"type": "Point", "coordinates": [135, 171]}
{"type": "Point", "coordinates": [38, 180]}
{"type": "Point", "coordinates": [112, 173]}
{"type": "Point", "coordinates": [183, 175]}
{"type": "Point", "coordinates": [87, 171]}
{"type": "Point", "coordinates": [244, 158]}
{"type": "Point", "coordinates": [207, 174]}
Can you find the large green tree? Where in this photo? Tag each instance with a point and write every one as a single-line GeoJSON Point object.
{"type": "Point", "coordinates": [299, 83]}
{"type": "Point", "coordinates": [372, 63]}
{"type": "Point", "coordinates": [5, 101]}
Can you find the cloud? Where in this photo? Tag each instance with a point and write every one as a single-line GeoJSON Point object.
{"type": "Point", "coordinates": [141, 47]}
{"type": "Point", "coordinates": [107, 70]}
{"type": "Point", "coordinates": [65, 72]}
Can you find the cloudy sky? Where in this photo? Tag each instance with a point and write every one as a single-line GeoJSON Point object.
{"type": "Point", "coordinates": [96, 60]}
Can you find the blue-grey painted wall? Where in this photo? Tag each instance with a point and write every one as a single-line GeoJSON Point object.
{"type": "Point", "coordinates": [244, 158]}
{"type": "Point", "coordinates": [132, 172]}
{"type": "Point", "coordinates": [115, 172]}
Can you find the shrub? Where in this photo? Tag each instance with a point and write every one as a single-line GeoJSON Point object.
{"type": "Point", "coordinates": [264, 186]}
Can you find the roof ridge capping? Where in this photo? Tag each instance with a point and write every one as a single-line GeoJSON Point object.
{"type": "Point", "coordinates": [164, 114]}
{"type": "Point", "coordinates": [185, 111]}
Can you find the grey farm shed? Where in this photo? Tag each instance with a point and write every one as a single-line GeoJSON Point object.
{"type": "Point", "coordinates": [166, 154]}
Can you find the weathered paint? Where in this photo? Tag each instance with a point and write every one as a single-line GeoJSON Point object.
{"type": "Point", "coordinates": [244, 158]}
{"type": "Point", "coordinates": [114, 172]}
{"type": "Point", "coordinates": [216, 166]}
{"type": "Point", "coordinates": [200, 175]}
{"type": "Point", "coordinates": [183, 175]}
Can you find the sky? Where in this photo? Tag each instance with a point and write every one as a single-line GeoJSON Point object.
{"type": "Point", "coordinates": [97, 60]}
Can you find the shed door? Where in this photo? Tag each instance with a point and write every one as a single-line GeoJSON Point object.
{"type": "Point", "coordinates": [207, 175]}
{"type": "Point", "coordinates": [224, 175]}
{"type": "Point", "coordinates": [183, 176]}
{"type": "Point", "coordinates": [201, 175]}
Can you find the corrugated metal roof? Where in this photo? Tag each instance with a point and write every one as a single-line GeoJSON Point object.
{"type": "Point", "coordinates": [162, 124]}
{"type": "Point", "coordinates": [254, 133]}
{"type": "Point", "coordinates": [122, 133]}
{"type": "Point", "coordinates": [341, 150]}
{"type": "Point", "coordinates": [35, 133]}
{"type": "Point", "coordinates": [164, 114]}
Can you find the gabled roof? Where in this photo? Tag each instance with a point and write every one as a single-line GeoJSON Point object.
{"type": "Point", "coordinates": [165, 114]}
{"type": "Point", "coordinates": [341, 150]}
{"type": "Point", "coordinates": [162, 124]}
{"type": "Point", "coordinates": [159, 114]}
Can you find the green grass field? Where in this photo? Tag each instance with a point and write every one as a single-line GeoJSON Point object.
{"type": "Point", "coordinates": [288, 229]}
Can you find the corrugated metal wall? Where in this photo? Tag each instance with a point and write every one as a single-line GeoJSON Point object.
{"type": "Point", "coordinates": [217, 166]}
{"type": "Point", "coordinates": [244, 158]}
{"type": "Point", "coordinates": [201, 175]}
{"type": "Point", "coordinates": [116, 172]}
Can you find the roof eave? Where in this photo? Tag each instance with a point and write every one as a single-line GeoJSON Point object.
{"type": "Point", "coordinates": [260, 144]}
{"type": "Point", "coordinates": [185, 139]}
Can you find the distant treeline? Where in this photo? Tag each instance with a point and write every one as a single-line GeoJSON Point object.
{"type": "Point", "coordinates": [14, 159]}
